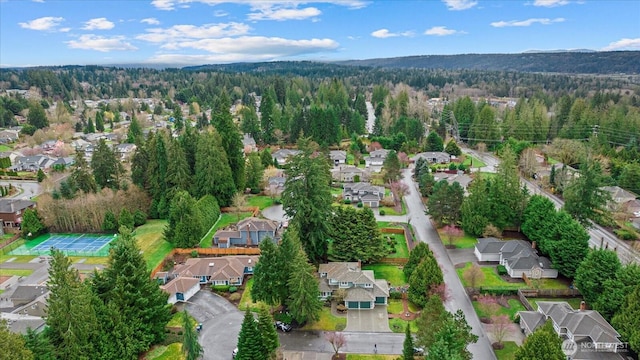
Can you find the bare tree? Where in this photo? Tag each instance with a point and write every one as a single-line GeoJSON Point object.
{"type": "Point", "coordinates": [336, 339]}
{"type": "Point", "coordinates": [473, 275]}
{"type": "Point", "coordinates": [452, 233]}
{"type": "Point", "coordinates": [239, 202]}
{"type": "Point", "coordinates": [501, 325]}
{"type": "Point", "coordinates": [489, 305]}
{"type": "Point", "coordinates": [528, 162]}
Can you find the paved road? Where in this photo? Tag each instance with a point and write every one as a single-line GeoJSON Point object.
{"type": "Point", "coordinates": [599, 237]}
{"type": "Point", "coordinates": [458, 297]}
{"type": "Point", "coordinates": [357, 342]}
{"type": "Point", "coordinates": [28, 188]}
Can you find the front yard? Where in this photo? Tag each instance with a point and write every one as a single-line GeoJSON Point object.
{"type": "Point", "coordinates": [508, 352]}
{"type": "Point", "coordinates": [491, 279]}
{"type": "Point", "coordinates": [327, 322]}
{"type": "Point", "coordinates": [463, 242]}
{"type": "Point", "coordinates": [514, 306]}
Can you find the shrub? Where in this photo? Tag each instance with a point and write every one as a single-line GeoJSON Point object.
{"type": "Point", "coordinates": [382, 212]}
{"type": "Point", "coordinates": [453, 166]}
{"type": "Point", "coordinates": [220, 288]}
{"type": "Point", "coordinates": [462, 167]}
{"type": "Point", "coordinates": [395, 294]}
{"type": "Point", "coordinates": [194, 253]}
{"type": "Point", "coordinates": [625, 234]}
{"type": "Point", "coordinates": [233, 289]}
{"type": "Point", "coordinates": [346, 201]}
{"type": "Point", "coordinates": [502, 270]}
{"type": "Point", "coordinates": [139, 218]}
{"type": "Point", "coordinates": [283, 316]}
{"type": "Point", "coordinates": [180, 332]}
{"type": "Point", "coordinates": [235, 296]}
{"type": "Point", "coordinates": [360, 205]}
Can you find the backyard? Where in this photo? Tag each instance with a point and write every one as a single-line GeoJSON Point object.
{"type": "Point", "coordinates": [493, 280]}
{"type": "Point", "coordinates": [573, 302]}
{"type": "Point", "coordinates": [151, 241]}
{"type": "Point", "coordinates": [225, 220]}
{"type": "Point", "coordinates": [514, 306]}
{"type": "Point", "coordinates": [399, 244]}
{"type": "Point", "coordinates": [392, 273]}
{"type": "Point", "coordinates": [260, 201]}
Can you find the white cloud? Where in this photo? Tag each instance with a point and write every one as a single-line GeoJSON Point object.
{"type": "Point", "coordinates": [101, 43]}
{"type": "Point", "coordinates": [284, 14]}
{"type": "Point", "coordinates": [47, 23]}
{"type": "Point", "coordinates": [38, 1]}
{"type": "Point", "coordinates": [150, 21]}
{"type": "Point", "coordinates": [257, 4]}
{"type": "Point", "coordinates": [188, 32]}
{"type": "Point", "coordinates": [442, 31]}
{"type": "Point", "coordinates": [623, 44]}
{"type": "Point", "coordinates": [98, 24]}
{"type": "Point", "coordinates": [67, 29]}
{"type": "Point", "coordinates": [550, 3]}
{"type": "Point", "coordinates": [385, 33]}
{"type": "Point", "coordinates": [220, 13]}
{"type": "Point", "coordinates": [528, 22]}
{"type": "Point", "coordinates": [460, 4]}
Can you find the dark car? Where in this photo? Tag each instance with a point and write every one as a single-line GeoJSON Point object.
{"type": "Point", "coordinates": [283, 326]}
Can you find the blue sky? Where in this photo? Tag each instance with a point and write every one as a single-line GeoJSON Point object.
{"type": "Point", "coordinates": [187, 32]}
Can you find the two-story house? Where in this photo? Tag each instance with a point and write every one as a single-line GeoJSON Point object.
{"type": "Point", "coordinates": [591, 333]}
{"type": "Point", "coordinates": [366, 193]}
{"type": "Point", "coordinates": [363, 290]}
{"type": "Point", "coordinates": [11, 211]}
{"type": "Point", "coordinates": [338, 157]}
{"type": "Point", "coordinates": [247, 232]}
{"type": "Point", "coordinates": [376, 159]}
{"type": "Point", "coordinates": [32, 163]}
{"type": "Point", "coordinates": [517, 256]}
{"type": "Point", "coordinates": [282, 155]}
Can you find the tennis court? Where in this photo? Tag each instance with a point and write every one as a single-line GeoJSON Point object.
{"type": "Point", "coordinates": [70, 244]}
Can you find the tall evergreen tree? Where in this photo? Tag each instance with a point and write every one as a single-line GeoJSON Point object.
{"type": "Point", "coordinates": [90, 129]}
{"type": "Point", "coordinates": [134, 133]}
{"type": "Point", "coordinates": [355, 235]}
{"type": "Point", "coordinates": [250, 345]}
{"type": "Point", "coordinates": [213, 175]}
{"type": "Point", "coordinates": [191, 348]}
{"type": "Point", "coordinates": [126, 219]}
{"type": "Point", "coordinates": [434, 142]}
{"type": "Point", "coordinates": [268, 332]}
{"type": "Point", "coordinates": [584, 197]}
{"type": "Point", "coordinates": [425, 277]}
{"type": "Point", "coordinates": [419, 253]}
{"type": "Point", "coordinates": [407, 345]}
{"type": "Point", "coordinates": [627, 319]}
{"type": "Point", "coordinates": [178, 171]}
{"type": "Point", "coordinates": [99, 121]}
{"type": "Point", "coordinates": [307, 199]}
{"type": "Point", "coordinates": [599, 266]}
{"type": "Point", "coordinates": [289, 248]}
{"type": "Point", "coordinates": [267, 121]}
{"type": "Point", "coordinates": [269, 277]}
{"type": "Point", "coordinates": [12, 345]}
{"type": "Point", "coordinates": [184, 228]}
{"type": "Point", "coordinates": [254, 173]}
{"type": "Point", "coordinates": [303, 303]}
{"type": "Point", "coordinates": [392, 167]}
{"type": "Point", "coordinates": [81, 176]}
{"type": "Point", "coordinates": [431, 319]}
{"type": "Point", "coordinates": [106, 167]}
{"type": "Point", "coordinates": [231, 138]}
{"type": "Point", "coordinates": [37, 117]}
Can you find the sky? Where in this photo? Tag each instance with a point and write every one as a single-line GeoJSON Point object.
{"type": "Point", "coordinates": [192, 32]}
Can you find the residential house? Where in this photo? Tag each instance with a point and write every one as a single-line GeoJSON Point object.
{"type": "Point", "coordinates": [594, 336]}
{"type": "Point", "coordinates": [63, 162]}
{"type": "Point", "coordinates": [363, 290]}
{"type": "Point", "coordinates": [338, 157]}
{"type": "Point", "coordinates": [248, 232]}
{"type": "Point", "coordinates": [620, 197]}
{"type": "Point", "coordinates": [364, 192]}
{"type": "Point", "coordinates": [282, 155]}
{"type": "Point", "coordinates": [12, 155]}
{"type": "Point", "coordinates": [517, 256]}
{"type": "Point", "coordinates": [350, 173]}
{"type": "Point", "coordinates": [9, 136]}
{"type": "Point", "coordinates": [275, 185]}
{"type": "Point", "coordinates": [434, 157]}
{"type": "Point", "coordinates": [25, 294]}
{"type": "Point", "coordinates": [125, 151]}
{"type": "Point", "coordinates": [80, 144]}
{"type": "Point", "coordinates": [460, 177]}
{"type": "Point", "coordinates": [249, 144]}
{"type": "Point", "coordinates": [181, 289]}
{"type": "Point", "coordinates": [50, 146]}
{"type": "Point", "coordinates": [11, 211]}
{"type": "Point", "coordinates": [32, 163]}
{"type": "Point", "coordinates": [376, 159]}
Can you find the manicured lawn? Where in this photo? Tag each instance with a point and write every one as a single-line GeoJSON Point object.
{"type": "Point", "coordinates": [508, 352]}
{"type": "Point", "coordinates": [15, 272]}
{"type": "Point", "coordinates": [399, 326]}
{"type": "Point", "coordinates": [17, 258]}
{"type": "Point", "coordinates": [514, 306]}
{"type": "Point", "coordinates": [387, 224]}
{"type": "Point", "coordinates": [371, 357]}
{"type": "Point", "coordinates": [4, 148]}
{"type": "Point", "coordinates": [395, 306]}
{"type": "Point", "coordinates": [402, 252]}
{"type": "Point", "coordinates": [260, 201]}
{"type": "Point", "coordinates": [176, 320]}
{"type": "Point", "coordinates": [464, 242]}
{"type": "Point", "coordinates": [392, 273]}
{"type": "Point", "coordinates": [476, 162]}
{"type": "Point", "coordinates": [492, 279]}
{"type": "Point", "coordinates": [226, 219]}
{"type": "Point", "coordinates": [93, 260]}
{"type": "Point", "coordinates": [574, 302]}
{"type": "Point", "coordinates": [152, 243]}
{"type": "Point", "coordinates": [560, 283]}
{"type": "Point", "coordinates": [246, 300]}
{"type": "Point", "coordinates": [391, 211]}
{"type": "Point", "coordinates": [336, 191]}
{"type": "Point", "coordinates": [327, 322]}
{"type": "Point", "coordinates": [170, 352]}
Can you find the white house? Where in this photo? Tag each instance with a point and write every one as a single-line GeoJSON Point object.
{"type": "Point", "coordinates": [181, 289]}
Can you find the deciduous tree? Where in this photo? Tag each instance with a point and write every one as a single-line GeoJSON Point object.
{"type": "Point", "coordinates": [474, 275]}
{"type": "Point", "coordinates": [336, 339]}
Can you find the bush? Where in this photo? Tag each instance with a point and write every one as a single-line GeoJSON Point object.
{"type": "Point", "coordinates": [277, 201]}
{"type": "Point", "coordinates": [139, 218]}
{"type": "Point", "coordinates": [180, 332]}
{"type": "Point", "coordinates": [346, 201]}
{"type": "Point", "coordinates": [194, 253]}
{"type": "Point", "coordinates": [625, 234]}
{"type": "Point", "coordinates": [395, 294]}
{"type": "Point", "coordinates": [382, 212]}
{"type": "Point", "coordinates": [235, 296]}
{"type": "Point", "coordinates": [360, 205]}
{"type": "Point", "coordinates": [285, 317]}
{"type": "Point", "coordinates": [220, 288]}
{"type": "Point", "coordinates": [453, 166]}
{"type": "Point", "coordinates": [501, 270]}
{"type": "Point", "coordinates": [498, 291]}
{"type": "Point", "coordinates": [462, 167]}
{"type": "Point", "coordinates": [233, 289]}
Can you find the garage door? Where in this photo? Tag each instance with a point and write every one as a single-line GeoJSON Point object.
{"type": "Point", "coordinates": [352, 304]}
{"type": "Point", "coordinates": [380, 300]}
{"type": "Point", "coordinates": [365, 305]}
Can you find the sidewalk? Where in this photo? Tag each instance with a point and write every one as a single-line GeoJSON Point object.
{"type": "Point", "coordinates": [306, 355]}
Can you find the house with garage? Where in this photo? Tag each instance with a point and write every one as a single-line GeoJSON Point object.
{"type": "Point", "coordinates": [11, 211]}
{"type": "Point", "coordinates": [594, 337]}
{"type": "Point", "coordinates": [376, 159]}
{"type": "Point", "coordinates": [434, 157]}
{"type": "Point", "coordinates": [32, 163]}
{"type": "Point", "coordinates": [620, 198]}
{"type": "Point", "coordinates": [181, 289]}
{"type": "Point", "coordinates": [350, 173]}
{"type": "Point", "coordinates": [338, 157]}
{"type": "Point", "coordinates": [369, 195]}
{"type": "Point", "coordinates": [363, 290]}
{"type": "Point", "coordinates": [517, 256]}
{"type": "Point", "coordinates": [282, 156]}
{"type": "Point", "coordinates": [248, 232]}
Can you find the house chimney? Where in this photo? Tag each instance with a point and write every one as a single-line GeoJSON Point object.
{"type": "Point", "coordinates": [583, 306]}
{"type": "Point", "coordinates": [359, 264]}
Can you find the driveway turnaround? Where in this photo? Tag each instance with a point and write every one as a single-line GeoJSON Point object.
{"type": "Point", "coordinates": [374, 320]}
{"type": "Point", "coordinates": [221, 322]}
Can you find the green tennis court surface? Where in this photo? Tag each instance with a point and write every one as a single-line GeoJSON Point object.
{"type": "Point", "coordinates": [70, 244]}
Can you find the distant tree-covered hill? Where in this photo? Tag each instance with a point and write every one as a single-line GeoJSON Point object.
{"type": "Point", "coordinates": [612, 62]}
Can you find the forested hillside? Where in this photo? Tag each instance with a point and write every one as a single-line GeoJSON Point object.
{"type": "Point", "coordinates": [611, 62]}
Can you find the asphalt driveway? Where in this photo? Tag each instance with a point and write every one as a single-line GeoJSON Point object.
{"type": "Point", "coordinates": [374, 320]}
{"type": "Point", "coordinates": [221, 322]}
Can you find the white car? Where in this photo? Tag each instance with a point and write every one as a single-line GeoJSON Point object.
{"type": "Point", "coordinates": [636, 214]}
{"type": "Point", "coordinates": [234, 353]}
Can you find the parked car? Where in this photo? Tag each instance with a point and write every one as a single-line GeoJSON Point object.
{"type": "Point", "coordinates": [199, 327]}
{"type": "Point", "coordinates": [636, 214]}
{"type": "Point", "coordinates": [283, 326]}
{"type": "Point", "coordinates": [234, 353]}
{"type": "Point", "coordinates": [418, 351]}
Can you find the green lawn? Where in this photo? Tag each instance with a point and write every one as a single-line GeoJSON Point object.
{"type": "Point", "coordinates": [402, 252]}
{"type": "Point", "coordinates": [17, 258]}
{"type": "Point", "coordinates": [476, 162]}
{"type": "Point", "coordinates": [574, 302]}
{"type": "Point", "coordinates": [392, 273]}
{"type": "Point", "coordinates": [464, 242]}
{"type": "Point", "coordinates": [327, 322]}
{"type": "Point", "coordinates": [399, 326]}
{"type": "Point", "coordinates": [260, 201]}
{"type": "Point", "coordinates": [492, 279]}
{"type": "Point", "coordinates": [176, 320]}
{"type": "Point", "coordinates": [508, 352]}
{"type": "Point", "coordinates": [246, 299]}
{"type": "Point", "coordinates": [387, 224]}
{"type": "Point", "coordinates": [15, 272]}
{"type": "Point", "coordinates": [93, 260]}
{"type": "Point", "coordinates": [170, 352]}
{"type": "Point", "coordinates": [551, 283]}
{"type": "Point", "coordinates": [395, 306]}
{"type": "Point", "coordinates": [392, 211]}
{"type": "Point", "coordinates": [4, 148]}
{"type": "Point", "coordinates": [226, 219]}
{"type": "Point", "coordinates": [152, 243]}
{"type": "Point", "coordinates": [514, 306]}
{"type": "Point", "coordinates": [335, 191]}
{"type": "Point", "coordinates": [371, 357]}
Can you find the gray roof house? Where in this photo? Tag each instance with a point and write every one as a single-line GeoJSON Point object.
{"type": "Point", "coordinates": [224, 270]}
{"type": "Point", "coordinates": [594, 336]}
{"type": "Point", "coordinates": [460, 177]}
{"type": "Point", "coordinates": [364, 291]}
{"type": "Point", "coordinates": [366, 193]}
{"type": "Point", "coordinates": [32, 163]}
{"type": "Point", "coordinates": [376, 158]}
{"type": "Point", "coordinates": [248, 232]}
{"type": "Point", "coordinates": [249, 143]}
{"type": "Point", "coordinates": [9, 136]}
{"type": "Point", "coordinates": [434, 157]}
{"type": "Point", "coordinates": [517, 256]}
{"type": "Point", "coordinates": [64, 162]}
{"type": "Point", "coordinates": [181, 289]}
{"type": "Point", "coordinates": [282, 155]}
{"type": "Point", "coordinates": [125, 151]}
{"type": "Point", "coordinates": [350, 173]}
{"type": "Point", "coordinates": [338, 157]}
{"type": "Point", "coordinates": [619, 197]}
{"type": "Point", "coordinates": [275, 185]}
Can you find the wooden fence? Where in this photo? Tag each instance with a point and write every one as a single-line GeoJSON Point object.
{"type": "Point", "coordinates": [523, 294]}
{"type": "Point", "coordinates": [392, 231]}
{"type": "Point", "coordinates": [254, 210]}
{"type": "Point", "coordinates": [9, 241]}
{"type": "Point", "coordinates": [394, 261]}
